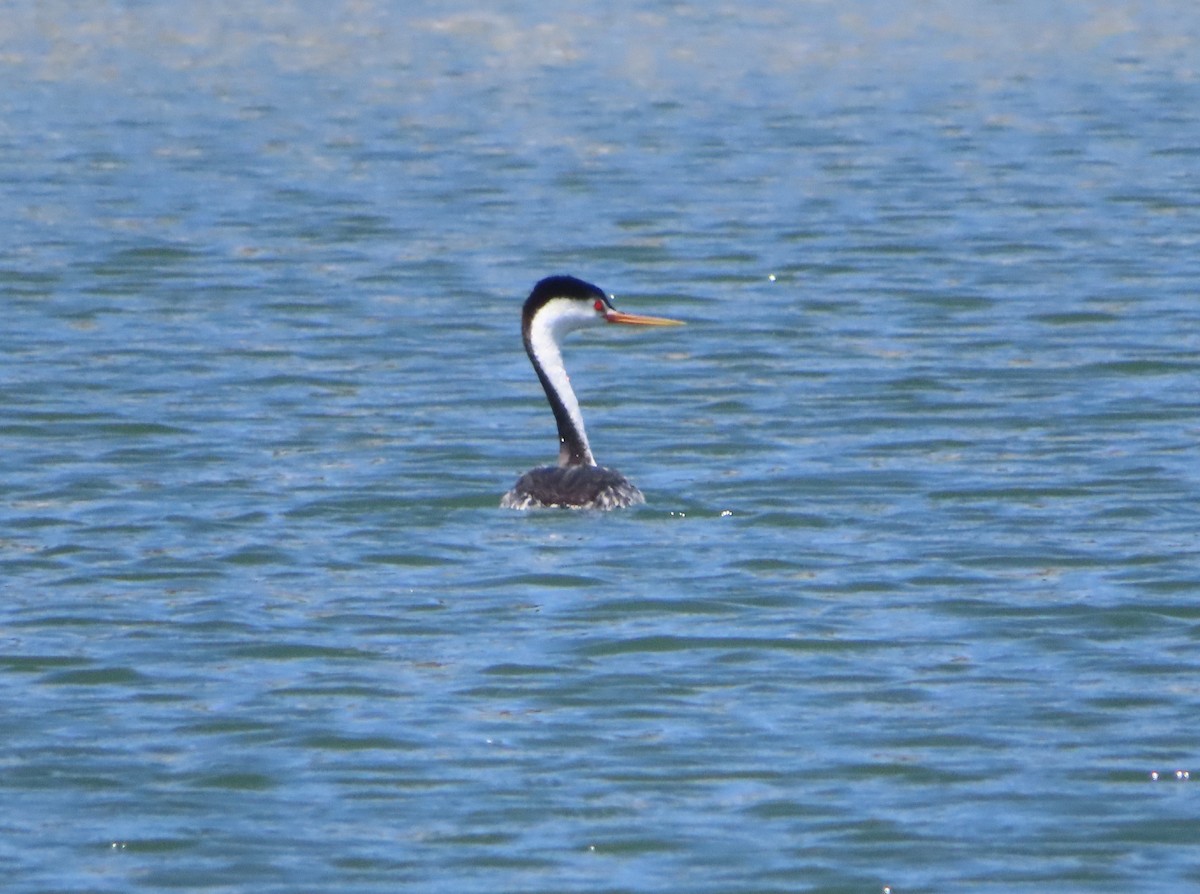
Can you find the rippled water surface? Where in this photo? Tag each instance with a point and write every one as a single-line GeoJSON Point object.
{"type": "Point", "coordinates": [913, 600]}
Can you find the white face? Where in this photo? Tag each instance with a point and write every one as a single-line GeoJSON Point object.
{"type": "Point", "coordinates": [563, 315]}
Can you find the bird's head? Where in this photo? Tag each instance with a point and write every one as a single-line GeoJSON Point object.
{"type": "Point", "coordinates": [562, 304]}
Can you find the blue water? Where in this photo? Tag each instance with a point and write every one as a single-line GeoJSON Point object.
{"type": "Point", "coordinates": [913, 600]}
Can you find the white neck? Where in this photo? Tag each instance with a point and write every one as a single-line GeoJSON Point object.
{"type": "Point", "coordinates": [552, 322]}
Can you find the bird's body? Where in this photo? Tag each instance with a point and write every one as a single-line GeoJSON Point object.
{"type": "Point", "coordinates": [558, 305]}
{"type": "Point", "coordinates": [572, 487]}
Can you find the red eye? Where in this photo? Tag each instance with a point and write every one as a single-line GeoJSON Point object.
{"type": "Point", "coordinates": [599, 305]}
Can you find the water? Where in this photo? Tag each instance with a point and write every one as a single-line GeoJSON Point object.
{"type": "Point", "coordinates": [911, 604]}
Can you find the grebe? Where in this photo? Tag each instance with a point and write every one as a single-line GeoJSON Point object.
{"type": "Point", "coordinates": [558, 305]}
